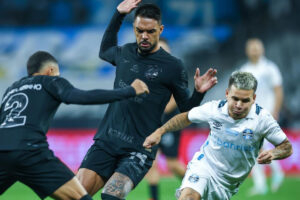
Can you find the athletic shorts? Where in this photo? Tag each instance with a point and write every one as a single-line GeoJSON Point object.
{"type": "Point", "coordinates": [39, 169]}
{"type": "Point", "coordinates": [105, 162]}
{"type": "Point", "coordinates": [199, 178]}
{"type": "Point", "coordinates": [169, 144]}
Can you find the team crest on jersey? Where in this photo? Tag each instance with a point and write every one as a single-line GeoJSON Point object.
{"type": "Point", "coordinates": [247, 134]}
{"type": "Point", "coordinates": [194, 178]}
{"type": "Point", "coordinates": [152, 72]}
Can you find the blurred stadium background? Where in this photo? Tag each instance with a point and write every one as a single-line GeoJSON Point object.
{"type": "Point", "coordinates": [203, 33]}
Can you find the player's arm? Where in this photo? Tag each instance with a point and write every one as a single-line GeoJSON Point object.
{"type": "Point", "coordinates": [281, 151]}
{"type": "Point", "coordinates": [178, 122]}
{"type": "Point", "coordinates": [61, 89]}
{"type": "Point", "coordinates": [202, 84]}
{"type": "Point", "coordinates": [108, 48]}
{"type": "Point", "coordinates": [278, 91]}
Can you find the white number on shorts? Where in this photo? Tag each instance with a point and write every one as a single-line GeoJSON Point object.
{"type": "Point", "coordinates": [140, 156]}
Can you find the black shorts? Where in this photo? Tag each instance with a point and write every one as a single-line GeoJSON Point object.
{"type": "Point", "coordinates": [169, 144]}
{"type": "Point", "coordinates": [39, 169]}
{"type": "Point", "coordinates": [105, 162]}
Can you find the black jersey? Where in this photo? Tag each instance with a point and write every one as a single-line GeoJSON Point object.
{"type": "Point", "coordinates": [28, 106]}
{"type": "Point", "coordinates": [126, 124]}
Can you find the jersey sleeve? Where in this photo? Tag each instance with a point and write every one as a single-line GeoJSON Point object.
{"type": "Point", "coordinates": [275, 74]}
{"type": "Point", "coordinates": [62, 90]}
{"type": "Point", "coordinates": [200, 114]}
{"type": "Point", "coordinates": [109, 50]}
{"type": "Point", "coordinates": [271, 129]}
{"type": "Point", "coordinates": [180, 90]}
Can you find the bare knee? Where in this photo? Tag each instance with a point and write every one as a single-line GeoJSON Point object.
{"type": "Point", "coordinates": [70, 190]}
{"type": "Point", "coordinates": [119, 185]}
{"type": "Point", "coordinates": [189, 194]}
{"type": "Point", "coordinates": [90, 180]}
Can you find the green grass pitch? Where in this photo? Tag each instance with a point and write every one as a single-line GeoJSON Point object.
{"type": "Point", "coordinates": [290, 190]}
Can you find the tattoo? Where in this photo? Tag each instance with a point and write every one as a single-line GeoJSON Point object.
{"type": "Point", "coordinates": [283, 150]}
{"type": "Point", "coordinates": [118, 185]}
{"type": "Point", "coordinates": [178, 122]}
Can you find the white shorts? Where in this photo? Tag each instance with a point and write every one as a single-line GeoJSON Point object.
{"type": "Point", "coordinates": [199, 178]}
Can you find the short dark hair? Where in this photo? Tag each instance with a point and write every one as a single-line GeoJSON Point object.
{"type": "Point", "coordinates": [148, 10]}
{"type": "Point", "coordinates": [36, 61]}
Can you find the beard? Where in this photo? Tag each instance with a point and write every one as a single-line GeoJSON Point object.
{"type": "Point", "coordinates": [146, 50]}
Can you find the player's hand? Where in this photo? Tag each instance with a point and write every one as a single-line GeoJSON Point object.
{"type": "Point", "coordinates": [127, 6]}
{"type": "Point", "coordinates": [265, 157]}
{"type": "Point", "coordinates": [140, 87]}
{"type": "Point", "coordinates": [152, 139]}
{"type": "Point", "coordinates": [206, 81]}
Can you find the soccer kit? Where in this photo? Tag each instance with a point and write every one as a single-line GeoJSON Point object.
{"type": "Point", "coordinates": [170, 141]}
{"type": "Point", "coordinates": [229, 153]}
{"type": "Point", "coordinates": [27, 108]}
{"type": "Point", "coordinates": [126, 124]}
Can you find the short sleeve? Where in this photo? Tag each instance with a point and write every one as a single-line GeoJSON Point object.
{"type": "Point", "coordinates": [272, 131]}
{"type": "Point", "coordinates": [276, 75]}
{"type": "Point", "coordinates": [200, 114]}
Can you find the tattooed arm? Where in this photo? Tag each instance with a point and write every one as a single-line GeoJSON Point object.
{"type": "Point", "coordinates": [178, 122]}
{"type": "Point", "coordinates": [281, 151]}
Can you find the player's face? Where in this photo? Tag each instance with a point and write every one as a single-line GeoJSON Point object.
{"type": "Point", "coordinates": [254, 50]}
{"type": "Point", "coordinates": [147, 32]}
{"type": "Point", "coordinates": [239, 102]}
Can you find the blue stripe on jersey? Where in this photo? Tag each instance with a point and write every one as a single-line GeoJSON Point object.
{"type": "Point", "coordinates": [222, 103]}
{"type": "Point", "coordinates": [258, 109]}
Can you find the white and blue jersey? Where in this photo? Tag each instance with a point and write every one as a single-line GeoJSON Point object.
{"type": "Point", "coordinates": [232, 145]}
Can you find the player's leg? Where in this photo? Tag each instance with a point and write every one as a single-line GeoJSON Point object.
{"type": "Point", "coordinates": [132, 167]}
{"type": "Point", "coordinates": [277, 175]}
{"type": "Point", "coordinates": [6, 178]}
{"type": "Point", "coordinates": [48, 176]}
{"type": "Point", "coordinates": [90, 180]}
{"type": "Point", "coordinates": [152, 178]}
{"type": "Point", "coordinates": [259, 180]}
{"type": "Point", "coordinates": [176, 167]}
{"type": "Point", "coordinates": [117, 187]}
{"type": "Point", "coordinates": [189, 194]}
{"type": "Point", "coordinates": [96, 168]}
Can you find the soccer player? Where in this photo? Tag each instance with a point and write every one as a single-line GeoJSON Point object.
{"type": "Point", "coordinates": [237, 130]}
{"type": "Point", "coordinates": [168, 145]}
{"type": "Point", "coordinates": [117, 160]}
{"type": "Point", "coordinates": [270, 97]}
{"type": "Point", "coordinates": [27, 108]}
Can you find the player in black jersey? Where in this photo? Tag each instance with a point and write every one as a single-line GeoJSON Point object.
{"type": "Point", "coordinates": [117, 160]}
{"type": "Point", "coordinates": [27, 108]}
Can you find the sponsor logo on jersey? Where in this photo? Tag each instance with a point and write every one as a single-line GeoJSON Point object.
{"type": "Point", "coordinates": [194, 178]}
{"type": "Point", "coordinates": [230, 145]}
{"type": "Point", "coordinates": [217, 125]}
{"type": "Point", "coordinates": [247, 134]}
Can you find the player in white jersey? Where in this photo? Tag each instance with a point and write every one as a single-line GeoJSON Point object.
{"type": "Point", "coordinates": [238, 128]}
{"type": "Point", "coordinates": [269, 96]}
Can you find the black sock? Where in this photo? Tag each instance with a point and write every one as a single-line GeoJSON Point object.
{"type": "Point", "coordinates": [154, 191]}
{"type": "Point", "coordinates": [86, 197]}
{"type": "Point", "coordinates": [109, 197]}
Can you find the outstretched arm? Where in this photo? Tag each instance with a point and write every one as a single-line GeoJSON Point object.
{"type": "Point", "coordinates": [281, 151]}
{"type": "Point", "coordinates": [110, 38]}
{"type": "Point", "coordinates": [178, 122]}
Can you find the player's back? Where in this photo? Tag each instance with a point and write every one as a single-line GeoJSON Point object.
{"type": "Point", "coordinates": [27, 108]}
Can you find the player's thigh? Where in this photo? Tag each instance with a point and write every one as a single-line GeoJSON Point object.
{"type": "Point", "coordinates": [135, 165]}
{"type": "Point", "coordinates": [119, 185]}
{"type": "Point", "coordinates": [169, 144]}
{"type": "Point", "coordinates": [6, 178]}
{"type": "Point", "coordinates": [96, 168]}
{"type": "Point", "coordinates": [42, 171]}
{"type": "Point", "coordinates": [70, 190]}
{"type": "Point", "coordinates": [189, 194]}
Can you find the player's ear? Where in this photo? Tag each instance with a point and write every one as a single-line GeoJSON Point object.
{"type": "Point", "coordinates": [161, 28]}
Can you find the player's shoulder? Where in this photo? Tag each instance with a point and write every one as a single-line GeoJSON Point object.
{"type": "Point", "coordinates": [214, 105]}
